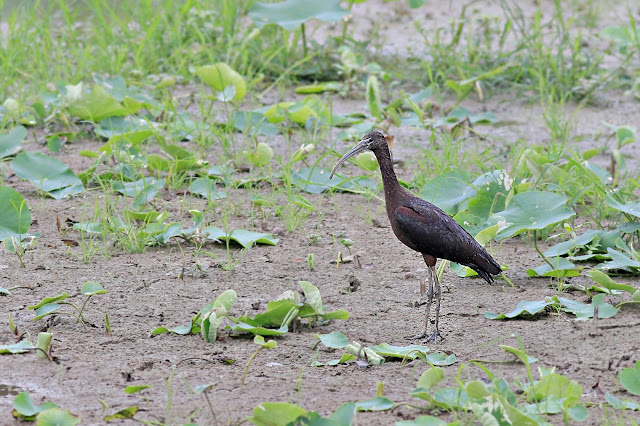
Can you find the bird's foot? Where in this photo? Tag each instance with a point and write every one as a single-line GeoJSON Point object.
{"type": "Point", "coordinates": [417, 336]}
{"type": "Point", "coordinates": [435, 336]}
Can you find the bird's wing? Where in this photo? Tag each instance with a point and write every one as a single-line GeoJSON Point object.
{"type": "Point", "coordinates": [431, 231]}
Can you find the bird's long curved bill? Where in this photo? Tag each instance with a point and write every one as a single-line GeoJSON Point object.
{"type": "Point", "coordinates": [360, 147]}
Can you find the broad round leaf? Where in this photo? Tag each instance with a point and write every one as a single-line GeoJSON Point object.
{"type": "Point", "coordinates": [291, 13]}
{"type": "Point", "coordinates": [46, 310]}
{"type": "Point", "coordinates": [532, 210]}
{"type": "Point", "coordinates": [335, 339]}
{"type": "Point", "coordinates": [56, 417]}
{"type": "Point", "coordinates": [47, 174]}
{"type": "Point", "coordinates": [24, 405]}
{"type": "Point", "coordinates": [221, 75]}
{"type": "Point", "coordinates": [15, 216]}
{"type": "Point", "coordinates": [92, 287]}
{"type": "Point", "coordinates": [275, 413]}
{"type": "Point", "coordinates": [630, 379]}
{"type": "Point", "coordinates": [11, 143]}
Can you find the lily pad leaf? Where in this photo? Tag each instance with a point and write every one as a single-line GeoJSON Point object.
{"type": "Point", "coordinates": [532, 210]}
{"type": "Point", "coordinates": [422, 421]}
{"type": "Point", "coordinates": [258, 330]}
{"type": "Point", "coordinates": [220, 76]}
{"type": "Point", "coordinates": [56, 416]}
{"type": "Point", "coordinates": [253, 123]}
{"type": "Point", "coordinates": [241, 236]}
{"type": "Point", "coordinates": [47, 300]}
{"type": "Point", "coordinates": [621, 405]}
{"type": "Point", "coordinates": [45, 310]}
{"type": "Point", "coordinates": [561, 268]}
{"type": "Point", "coordinates": [289, 14]}
{"type": "Point", "coordinates": [410, 352]}
{"type": "Point", "coordinates": [90, 288]}
{"type": "Point", "coordinates": [47, 174]}
{"type": "Point", "coordinates": [133, 189]}
{"type": "Point", "coordinates": [206, 188]}
{"type": "Point", "coordinates": [584, 310]}
{"type": "Point", "coordinates": [125, 413]}
{"type": "Point", "coordinates": [630, 208]}
{"type": "Point", "coordinates": [630, 379]}
{"type": "Point", "coordinates": [11, 142]}
{"type": "Point", "coordinates": [15, 216]}
{"type": "Point", "coordinates": [524, 308]}
{"type": "Point", "coordinates": [449, 191]}
{"type": "Point", "coordinates": [335, 339]}
{"type": "Point", "coordinates": [16, 348]}
{"type": "Point", "coordinates": [275, 413]}
{"type": "Point", "coordinates": [378, 403]}
{"type": "Point", "coordinates": [93, 105]}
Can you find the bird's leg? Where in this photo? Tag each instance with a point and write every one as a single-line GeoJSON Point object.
{"type": "Point", "coordinates": [423, 334]}
{"type": "Point", "coordinates": [438, 290]}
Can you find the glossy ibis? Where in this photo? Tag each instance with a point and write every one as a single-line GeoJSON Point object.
{"type": "Point", "coordinates": [424, 228]}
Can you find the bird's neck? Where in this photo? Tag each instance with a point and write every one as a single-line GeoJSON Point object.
{"type": "Point", "coordinates": [392, 187]}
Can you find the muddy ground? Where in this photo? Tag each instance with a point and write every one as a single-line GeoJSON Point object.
{"type": "Point", "coordinates": [145, 291]}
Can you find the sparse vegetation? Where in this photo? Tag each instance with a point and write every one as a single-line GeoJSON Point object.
{"type": "Point", "coordinates": [153, 145]}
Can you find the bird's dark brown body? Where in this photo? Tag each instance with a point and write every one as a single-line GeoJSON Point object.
{"type": "Point", "coordinates": [424, 227]}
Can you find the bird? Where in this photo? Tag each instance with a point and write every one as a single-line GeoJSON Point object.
{"type": "Point", "coordinates": [423, 227]}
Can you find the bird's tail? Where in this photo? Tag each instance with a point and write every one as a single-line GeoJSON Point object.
{"type": "Point", "coordinates": [486, 266]}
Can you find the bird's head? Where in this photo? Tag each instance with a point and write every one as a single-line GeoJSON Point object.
{"type": "Point", "coordinates": [371, 141]}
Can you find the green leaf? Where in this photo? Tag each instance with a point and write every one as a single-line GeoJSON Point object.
{"type": "Point", "coordinates": [275, 414]}
{"type": "Point", "coordinates": [558, 386]}
{"type": "Point", "coordinates": [621, 405]}
{"type": "Point", "coordinates": [125, 413]}
{"type": "Point", "coordinates": [630, 379]}
{"type": "Point", "coordinates": [523, 308]}
{"type": "Point", "coordinates": [430, 378]}
{"type": "Point", "coordinates": [243, 327]}
{"type": "Point", "coordinates": [220, 76]}
{"type": "Point", "coordinates": [561, 268]}
{"type": "Point", "coordinates": [289, 14]}
{"type": "Point", "coordinates": [578, 413]}
{"type": "Point", "coordinates": [378, 403]}
{"type": "Point", "coordinates": [16, 348]}
{"type": "Point", "coordinates": [339, 314]}
{"type": "Point", "coordinates": [52, 299]}
{"type": "Point", "coordinates": [15, 216]}
{"type": "Point", "coordinates": [206, 188]}
{"type": "Point", "coordinates": [373, 97]}
{"type": "Point", "coordinates": [94, 105]}
{"type": "Point", "coordinates": [44, 344]}
{"type": "Point", "coordinates": [312, 295]}
{"type": "Point", "coordinates": [11, 142]}
{"type": "Point", "coordinates": [449, 191]}
{"type": "Point", "coordinates": [136, 388]}
{"type": "Point", "coordinates": [259, 340]}
{"type": "Point", "coordinates": [242, 237]}
{"type": "Point", "coordinates": [125, 141]}
{"type": "Point", "coordinates": [45, 310]}
{"type": "Point", "coordinates": [335, 339]}
{"type": "Point", "coordinates": [47, 174]}
{"type": "Point", "coordinates": [132, 189]}
{"type": "Point", "coordinates": [519, 353]}
{"type": "Point", "coordinates": [253, 123]}
{"type": "Point", "coordinates": [344, 414]}
{"type": "Point", "coordinates": [24, 405]}
{"type": "Point", "coordinates": [631, 208]}
{"type": "Point", "coordinates": [583, 310]}
{"type": "Point", "coordinates": [56, 417]}
{"type": "Point", "coordinates": [90, 288]}
{"type": "Point", "coordinates": [532, 210]}
{"type": "Point", "coordinates": [605, 281]}
{"type": "Point", "coordinates": [410, 352]}
{"type": "Point", "coordinates": [422, 421]}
